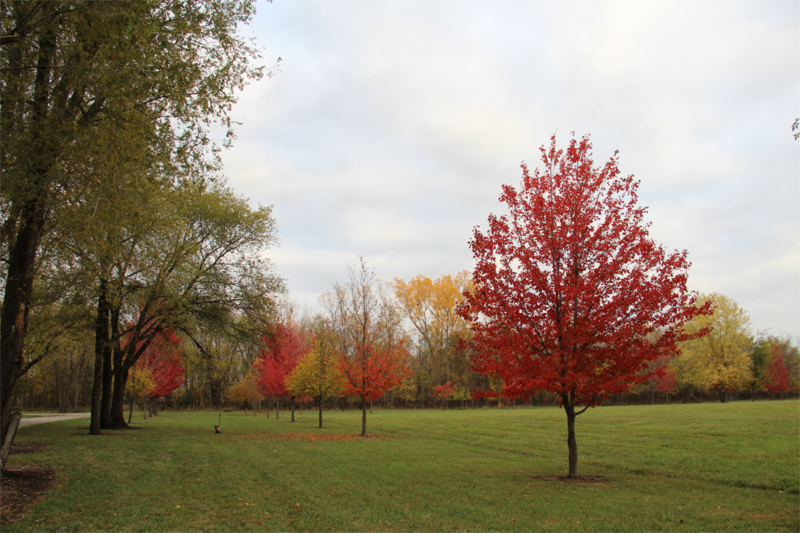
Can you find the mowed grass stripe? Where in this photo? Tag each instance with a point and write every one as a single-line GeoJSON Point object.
{"type": "Point", "coordinates": [732, 467]}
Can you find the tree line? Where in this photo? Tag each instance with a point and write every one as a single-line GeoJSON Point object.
{"type": "Point", "coordinates": [276, 372]}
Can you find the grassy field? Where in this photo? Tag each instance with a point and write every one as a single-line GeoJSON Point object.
{"type": "Point", "coordinates": [702, 467]}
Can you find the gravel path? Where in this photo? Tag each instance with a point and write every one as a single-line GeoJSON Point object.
{"type": "Point", "coordinates": [30, 420]}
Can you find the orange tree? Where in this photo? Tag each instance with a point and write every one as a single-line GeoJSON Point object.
{"type": "Point", "coordinates": [570, 289]}
{"type": "Point", "coordinates": [364, 332]}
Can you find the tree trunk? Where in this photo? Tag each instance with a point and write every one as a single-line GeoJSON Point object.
{"type": "Point", "coordinates": [319, 402]}
{"type": "Point", "coordinates": [13, 424]}
{"type": "Point", "coordinates": [17, 294]}
{"type": "Point", "coordinates": [572, 443]}
{"type": "Point", "coordinates": [291, 398]}
{"type": "Point", "coordinates": [100, 342]}
{"type": "Point", "coordinates": [363, 417]}
{"type": "Point", "coordinates": [277, 406]}
{"type": "Point", "coordinates": [118, 399]}
{"type": "Point", "coordinates": [106, 421]}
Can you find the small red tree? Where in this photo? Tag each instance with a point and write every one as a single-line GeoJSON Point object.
{"type": "Point", "coordinates": [570, 289]}
{"type": "Point", "coordinates": [369, 371]}
{"type": "Point", "coordinates": [776, 377]}
{"type": "Point", "coordinates": [444, 392]}
{"type": "Point", "coordinates": [163, 358]}
{"type": "Point", "coordinates": [663, 378]}
{"type": "Point", "coordinates": [280, 356]}
{"type": "Point", "coordinates": [364, 333]}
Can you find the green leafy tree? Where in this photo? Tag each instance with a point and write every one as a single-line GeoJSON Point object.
{"type": "Point", "coordinates": [161, 71]}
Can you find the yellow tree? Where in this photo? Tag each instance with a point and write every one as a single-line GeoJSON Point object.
{"type": "Point", "coordinates": [317, 375]}
{"type": "Point", "coordinates": [430, 306]}
{"type": "Point", "coordinates": [140, 383]}
{"type": "Point", "coordinates": [245, 392]}
{"type": "Point", "coordinates": [720, 360]}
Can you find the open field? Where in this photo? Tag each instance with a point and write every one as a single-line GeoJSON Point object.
{"type": "Point", "coordinates": [701, 467]}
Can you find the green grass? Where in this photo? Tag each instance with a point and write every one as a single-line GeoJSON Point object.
{"type": "Point", "coordinates": [706, 467]}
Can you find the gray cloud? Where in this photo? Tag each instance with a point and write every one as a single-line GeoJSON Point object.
{"type": "Point", "coordinates": [392, 126]}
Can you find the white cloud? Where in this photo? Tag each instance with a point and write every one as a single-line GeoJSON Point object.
{"type": "Point", "coordinates": [393, 124]}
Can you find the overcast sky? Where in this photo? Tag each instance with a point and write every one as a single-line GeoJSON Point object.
{"type": "Point", "coordinates": [392, 125]}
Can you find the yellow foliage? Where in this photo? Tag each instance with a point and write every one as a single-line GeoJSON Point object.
{"type": "Point", "coordinates": [430, 306]}
{"type": "Point", "coordinates": [140, 382]}
{"type": "Point", "coordinates": [316, 375]}
{"type": "Point", "coordinates": [720, 360]}
{"type": "Point", "coordinates": [244, 392]}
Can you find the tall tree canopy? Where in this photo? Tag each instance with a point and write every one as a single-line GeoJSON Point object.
{"type": "Point", "coordinates": [76, 75]}
{"type": "Point", "coordinates": [570, 288]}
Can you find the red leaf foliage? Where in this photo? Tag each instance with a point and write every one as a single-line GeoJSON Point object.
{"type": "Point", "coordinates": [445, 391]}
{"type": "Point", "coordinates": [163, 356]}
{"type": "Point", "coordinates": [663, 379]}
{"type": "Point", "coordinates": [280, 355]}
{"type": "Point", "coordinates": [571, 294]}
{"type": "Point", "coordinates": [373, 369]}
{"type": "Point", "coordinates": [776, 377]}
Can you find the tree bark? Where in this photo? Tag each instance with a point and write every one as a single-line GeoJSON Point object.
{"type": "Point", "coordinates": [118, 399]}
{"type": "Point", "coordinates": [291, 398]}
{"type": "Point", "coordinates": [319, 403]}
{"type": "Point", "coordinates": [13, 424]}
{"type": "Point", "coordinates": [723, 396]}
{"type": "Point", "coordinates": [25, 227]}
{"type": "Point", "coordinates": [363, 417]}
{"type": "Point", "coordinates": [100, 342]}
{"type": "Point", "coordinates": [106, 421]}
{"type": "Point", "coordinates": [572, 443]}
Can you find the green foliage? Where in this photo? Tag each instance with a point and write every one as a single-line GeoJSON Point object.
{"type": "Point", "coordinates": [107, 102]}
{"type": "Point", "coordinates": [732, 467]}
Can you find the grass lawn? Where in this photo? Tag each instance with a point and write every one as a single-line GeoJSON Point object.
{"type": "Point", "coordinates": [702, 467]}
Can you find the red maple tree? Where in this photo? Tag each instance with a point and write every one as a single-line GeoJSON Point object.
{"type": "Point", "coordinates": [363, 331]}
{"type": "Point", "coordinates": [776, 377]}
{"type": "Point", "coordinates": [569, 288]}
{"type": "Point", "coordinates": [444, 392]}
{"type": "Point", "coordinates": [282, 351]}
{"type": "Point", "coordinates": [663, 378]}
{"type": "Point", "coordinates": [372, 369]}
{"type": "Point", "coordinates": [164, 357]}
